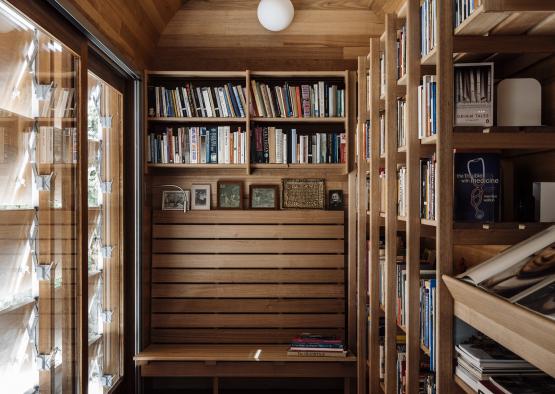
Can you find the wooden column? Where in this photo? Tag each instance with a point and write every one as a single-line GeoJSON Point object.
{"type": "Point", "coordinates": [444, 190]}
{"type": "Point", "coordinates": [391, 203]}
{"type": "Point", "coordinates": [413, 198]}
{"type": "Point", "coordinates": [362, 253]}
{"type": "Point", "coordinates": [374, 220]}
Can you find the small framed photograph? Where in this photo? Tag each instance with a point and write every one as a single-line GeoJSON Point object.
{"type": "Point", "coordinates": [200, 197]}
{"type": "Point", "coordinates": [230, 195]}
{"type": "Point", "coordinates": [335, 200]}
{"type": "Point", "coordinates": [303, 193]}
{"type": "Point", "coordinates": [176, 200]}
{"type": "Point", "coordinates": [264, 196]}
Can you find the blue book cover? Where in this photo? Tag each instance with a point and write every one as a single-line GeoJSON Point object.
{"type": "Point", "coordinates": [477, 187]}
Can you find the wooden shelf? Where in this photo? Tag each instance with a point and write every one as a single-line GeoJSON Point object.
{"type": "Point", "coordinates": [300, 120]}
{"type": "Point", "coordinates": [428, 222]}
{"type": "Point", "coordinates": [198, 166]}
{"type": "Point", "coordinates": [504, 138]}
{"type": "Point", "coordinates": [464, 387]}
{"type": "Point", "coordinates": [525, 333]}
{"type": "Point", "coordinates": [430, 59]}
{"type": "Point", "coordinates": [402, 81]}
{"type": "Point", "coordinates": [402, 149]}
{"type": "Point", "coordinates": [430, 140]}
{"type": "Point", "coordinates": [503, 233]}
{"type": "Point", "coordinates": [197, 120]}
{"type": "Point", "coordinates": [299, 166]}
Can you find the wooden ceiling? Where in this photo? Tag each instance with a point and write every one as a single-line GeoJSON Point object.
{"type": "Point", "coordinates": [226, 35]}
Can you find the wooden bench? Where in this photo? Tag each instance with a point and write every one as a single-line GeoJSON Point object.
{"type": "Point", "coordinates": [240, 361]}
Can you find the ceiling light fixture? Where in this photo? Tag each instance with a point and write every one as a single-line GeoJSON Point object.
{"type": "Point", "coordinates": [275, 15]}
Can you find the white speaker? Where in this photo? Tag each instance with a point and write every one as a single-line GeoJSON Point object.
{"type": "Point", "coordinates": [519, 102]}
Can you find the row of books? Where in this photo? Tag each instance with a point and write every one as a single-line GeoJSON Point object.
{"type": "Point", "coordinates": [428, 314]}
{"type": "Point", "coordinates": [314, 345]}
{"type": "Point", "coordinates": [197, 145]}
{"type": "Point", "coordinates": [463, 9]}
{"type": "Point", "coordinates": [274, 145]}
{"type": "Point", "coordinates": [428, 28]}
{"type": "Point", "coordinates": [428, 188]}
{"type": "Point", "coordinates": [59, 103]}
{"type": "Point", "coordinates": [402, 191]}
{"type": "Point", "coordinates": [401, 42]}
{"type": "Point", "coordinates": [316, 100]}
{"type": "Point", "coordinates": [402, 124]}
{"type": "Point", "coordinates": [56, 145]}
{"type": "Point", "coordinates": [489, 368]}
{"type": "Point", "coordinates": [427, 107]}
{"type": "Point", "coordinates": [227, 101]}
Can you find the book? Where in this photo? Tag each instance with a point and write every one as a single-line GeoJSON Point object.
{"type": "Point", "coordinates": [316, 354]}
{"type": "Point", "coordinates": [523, 273]}
{"type": "Point", "coordinates": [477, 187]}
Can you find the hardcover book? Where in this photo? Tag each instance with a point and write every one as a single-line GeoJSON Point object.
{"type": "Point", "coordinates": [477, 187]}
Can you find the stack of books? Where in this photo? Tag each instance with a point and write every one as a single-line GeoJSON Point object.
{"type": "Point", "coordinates": [482, 359]}
{"type": "Point", "coordinates": [310, 345]}
{"type": "Point", "coordinates": [228, 101]}
{"type": "Point", "coordinates": [317, 100]}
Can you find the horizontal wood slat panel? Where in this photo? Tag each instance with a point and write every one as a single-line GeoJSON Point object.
{"type": "Point", "coordinates": [251, 246]}
{"type": "Point", "coordinates": [247, 261]}
{"type": "Point", "coordinates": [247, 320]}
{"type": "Point", "coordinates": [232, 335]}
{"type": "Point", "coordinates": [247, 291]}
{"type": "Point", "coordinates": [252, 217]}
{"type": "Point", "coordinates": [246, 276]}
{"type": "Point", "coordinates": [248, 231]}
{"type": "Point", "coordinates": [247, 306]}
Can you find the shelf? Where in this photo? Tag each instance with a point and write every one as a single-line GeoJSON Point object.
{"type": "Point", "coordinates": [464, 387]}
{"type": "Point", "coordinates": [425, 349]}
{"type": "Point", "coordinates": [503, 137]}
{"type": "Point", "coordinates": [402, 149]}
{"type": "Point", "coordinates": [299, 166]}
{"type": "Point", "coordinates": [428, 222]}
{"type": "Point", "coordinates": [521, 331]}
{"type": "Point", "coordinates": [401, 218]}
{"type": "Point", "coordinates": [198, 166]}
{"type": "Point", "coordinates": [197, 120]}
{"type": "Point", "coordinates": [300, 120]}
{"type": "Point", "coordinates": [502, 233]}
{"type": "Point", "coordinates": [429, 140]}
{"type": "Point", "coordinates": [402, 81]}
{"type": "Point", "coordinates": [430, 59]}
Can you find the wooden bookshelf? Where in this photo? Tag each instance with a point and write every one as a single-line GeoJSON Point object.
{"type": "Point", "coordinates": [249, 120]}
{"type": "Point", "coordinates": [529, 25]}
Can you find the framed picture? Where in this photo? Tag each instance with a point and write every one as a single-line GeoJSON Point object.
{"type": "Point", "coordinates": [264, 196]}
{"type": "Point", "coordinates": [200, 197]}
{"type": "Point", "coordinates": [176, 200]}
{"type": "Point", "coordinates": [335, 200]}
{"type": "Point", "coordinates": [303, 193]}
{"type": "Point", "coordinates": [230, 195]}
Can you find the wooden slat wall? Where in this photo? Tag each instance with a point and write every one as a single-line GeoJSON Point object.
{"type": "Point", "coordinates": [238, 277]}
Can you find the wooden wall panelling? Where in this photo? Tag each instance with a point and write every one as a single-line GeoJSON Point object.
{"type": "Point", "coordinates": [444, 231]}
{"type": "Point", "coordinates": [362, 252]}
{"type": "Point", "coordinates": [374, 219]}
{"type": "Point", "coordinates": [413, 199]}
{"type": "Point", "coordinates": [391, 204]}
{"type": "Point", "coordinates": [219, 34]}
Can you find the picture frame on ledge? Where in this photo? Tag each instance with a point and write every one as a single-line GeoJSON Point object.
{"type": "Point", "coordinates": [335, 200]}
{"type": "Point", "coordinates": [303, 193]}
{"type": "Point", "coordinates": [264, 197]}
{"type": "Point", "coordinates": [200, 197]}
{"type": "Point", "coordinates": [230, 195]}
{"type": "Point", "coordinates": [176, 200]}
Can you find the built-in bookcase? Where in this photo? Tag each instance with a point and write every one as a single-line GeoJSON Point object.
{"type": "Point", "coordinates": [284, 116]}
{"type": "Point", "coordinates": [428, 232]}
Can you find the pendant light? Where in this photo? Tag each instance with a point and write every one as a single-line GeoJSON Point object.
{"type": "Point", "coordinates": [275, 15]}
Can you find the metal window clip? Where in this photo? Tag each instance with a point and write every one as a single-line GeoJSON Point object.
{"type": "Point", "coordinates": [43, 182]}
{"type": "Point", "coordinates": [106, 251]}
{"type": "Point", "coordinates": [43, 271]}
{"type": "Point", "coordinates": [106, 187]}
{"type": "Point", "coordinates": [107, 380]}
{"type": "Point", "coordinates": [44, 361]}
{"type": "Point", "coordinates": [106, 315]}
{"type": "Point", "coordinates": [106, 121]}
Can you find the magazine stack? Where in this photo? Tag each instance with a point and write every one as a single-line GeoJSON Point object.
{"type": "Point", "coordinates": [311, 345]}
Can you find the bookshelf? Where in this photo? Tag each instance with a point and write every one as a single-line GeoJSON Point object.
{"type": "Point", "coordinates": [332, 124]}
{"type": "Point", "coordinates": [508, 25]}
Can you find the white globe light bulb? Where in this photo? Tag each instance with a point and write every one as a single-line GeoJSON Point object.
{"type": "Point", "coordinates": [275, 15]}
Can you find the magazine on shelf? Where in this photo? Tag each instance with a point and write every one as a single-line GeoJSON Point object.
{"type": "Point", "coordinates": [523, 273]}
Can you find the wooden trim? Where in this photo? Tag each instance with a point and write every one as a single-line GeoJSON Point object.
{"type": "Point", "coordinates": [352, 264]}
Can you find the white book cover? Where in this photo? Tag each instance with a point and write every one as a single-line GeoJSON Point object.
{"type": "Point", "coordinates": [235, 147]}
{"type": "Point", "coordinates": [279, 146]}
{"type": "Point", "coordinates": [293, 146]}
{"type": "Point", "coordinates": [316, 155]}
{"type": "Point", "coordinates": [316, 101]}
{"type": "Point", "coordinates": [322, 99]}
{"type": "Point", "coordinates": [301, 149]}
{"type": "Point", "coordinates": [206, 100]}
{"type": "Point", "coordinates": [284, 153]}
{"type": "Point", "coordinates": [193, 145]}
{"type": "Point", "coordinates": [227, 142]}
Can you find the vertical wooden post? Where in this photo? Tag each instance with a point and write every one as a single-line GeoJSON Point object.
{"type": "Point", "coordinates": [362, 253]}
{"type": "Point", "coordinates": [248, 123]}
{"type": "Point", "coordinates": [391, 204]}
{"type": "Point", "coordinates": [444, 190]}
{"type": "Point", "coordinates": [374, 220]}
{"type": "Point", "coordinates": [413, 198]}
{"type": "Point", "coordinates": [352, 264]}
{"type": "Point", "coordinates": [215, 385]}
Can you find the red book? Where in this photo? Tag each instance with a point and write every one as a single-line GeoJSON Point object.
{"type": "Point", "coordinates": [299, 104]}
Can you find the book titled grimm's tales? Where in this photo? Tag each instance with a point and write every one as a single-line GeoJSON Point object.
{"type": "Point", "coordinates": [477, 187]}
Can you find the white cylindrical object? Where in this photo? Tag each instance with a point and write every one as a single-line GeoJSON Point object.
{"type": "Point", "coordinates": [275, 15]}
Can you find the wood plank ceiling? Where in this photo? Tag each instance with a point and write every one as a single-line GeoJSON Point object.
{"type": "Point", "coordinates": [226, 35]}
